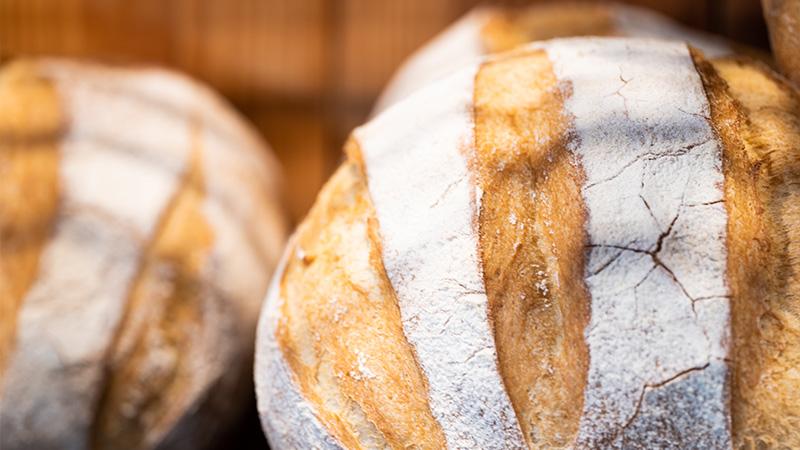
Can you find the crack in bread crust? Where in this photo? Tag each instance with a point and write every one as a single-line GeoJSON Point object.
{"type": "Point", "coordinates": [656, 242]}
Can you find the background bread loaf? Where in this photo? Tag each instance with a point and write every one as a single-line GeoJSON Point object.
{"type": "Point", "coordinates": [139, 225]}
{"type": "Point", "coordinates": [495, 29]}
{"type": "Point", "coordinates": [583, 243]}
{"type": "Point", "coordinates": [783, 20]}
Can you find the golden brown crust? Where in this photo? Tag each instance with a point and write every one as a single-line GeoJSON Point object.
{"type": "Point", "coordinates": [510, 27]}
{"type": "Point", "coordinates": [30, 121]}
{"type": "Point", "coordinates": [758, 120]}
{"type": "Point", "coordinates": [341, 331]}
{"type": "Point", "coordinates": [532, 243]}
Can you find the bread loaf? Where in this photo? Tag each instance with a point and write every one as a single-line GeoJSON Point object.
{"type": "Point", "coordinates": [496, 29]}
{"type": "Point", "coordinates": [783, 20]}
{"type": "Point", "coordinates": [584, 243]}
{"type": "Point", "coordinates": [139, 224]}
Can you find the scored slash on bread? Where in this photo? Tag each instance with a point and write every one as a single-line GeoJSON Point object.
{"type": "Point", "coordinates": [583, 243]}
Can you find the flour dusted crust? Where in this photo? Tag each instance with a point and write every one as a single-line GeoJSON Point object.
{"type": "Point", "coordinates": [344, 375]}
{"type": "Point", "coordinates": [135, 328]}
{"type": "Point", "coordinates": [656, 240]}
{"type": "Point", "coordinates": [430, 252]}
{"type": "Point", "coordinates": [641, 22]}
{"type": "Point", "coordinates": [488, 30]}
{"type": "Point", "coordinates": [615, 221]}
{"type": "Point", "coordinates": [289, 422]}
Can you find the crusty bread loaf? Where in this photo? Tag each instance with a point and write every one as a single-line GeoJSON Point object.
{"type": "Point", "coordinates": [783, 21]}
{"type": "Point", "coordinates": [139, 224]}
{"type": "Point", "coordinates": [584, 243]}
{"type": "Point", "coordinates": [495, 29]}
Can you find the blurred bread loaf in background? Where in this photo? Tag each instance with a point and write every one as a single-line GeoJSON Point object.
{"type": "Point", "coordinates": [140, 222]}
{"type": "Point", "coordinates": [487, 30]}
{"type": "Point", "coordinates": [783, 18]}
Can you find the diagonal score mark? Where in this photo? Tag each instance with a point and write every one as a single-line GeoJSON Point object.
{"type": "Point", "coordinates": [191, 181]}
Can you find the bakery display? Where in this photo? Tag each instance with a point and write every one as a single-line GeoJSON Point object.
{"type": "Point", "coordinates": [582, 243]}
{"type": "Point", "coordinates": [495, 29]}
{"type": "Point", "coordinates": [139, 225]}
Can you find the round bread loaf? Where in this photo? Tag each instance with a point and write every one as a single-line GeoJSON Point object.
{"type": "Point", "coordinates": [139, 225]}
{"type": "Point", "coordinates": [585, 243]}
{"type": "Point", "coordinates": [495, 29]}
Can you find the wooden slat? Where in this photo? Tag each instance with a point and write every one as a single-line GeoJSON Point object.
{"type": "Point", "coordinates": [297, 134]}
{"type": "Point", "coordinates": [242, 47]}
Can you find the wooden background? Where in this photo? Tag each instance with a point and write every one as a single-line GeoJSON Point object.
{"type": "Point", "coordinates": [304, 71]}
